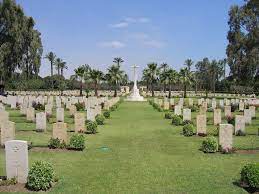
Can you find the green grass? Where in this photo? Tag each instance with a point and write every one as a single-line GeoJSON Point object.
{"type": "Point", "coordinates": [146, 155]}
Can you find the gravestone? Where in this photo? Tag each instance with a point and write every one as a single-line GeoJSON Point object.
{"type": "Point", "coordinates": [217, 116]}
{"type": "Point", "coordinates": [201, 124]}
{"type": "Point", "coordinates": [187, 114]}
{"type": "Point", "coordinates": [166, 105]}
{"type": "Point", "coordinates": [72, 110]}
{"type": "Point", "coordinates": [226, 136]}
{"type": "Point", "coordinates": [7, 131]}
{"type": "Point", "coordinates": [239, 124]}
{"type": "Point", "coordinates": [60, 114]}
{"type": "Point", "coordinates": [60, 131]}
{"type": "Point", "coordinates": [247, 116]}
{"type": "Point", "coordinates": [4, 116]}
{"type": "Point", "coordinates": [16, 156]}
{"type": "Point", "coordinates": [79, 122]}
{"type": "Point", "coordinates": [91, 114]}
{"type": "Point", "coordinates": [252, 111]}
{"type": "Point", "coordinates": [213, 104]}
{"type": "Point", "coordinates": [171, 101]}
{"type": "Point", "coordinates": [203, 110]}
{"type": "Point", "coordinates": [241, 105]}
{"type": "Point", "coordinates": [48, 109]}
{"type": "Point", "coordinates": [41, 122]}
{"type": "Point", "coordinates": [178, 110]}
{"type": "Point", "coordinates": [190, 102]}
{"type": "Point", "coordinates": [30, 114]}
{"type": "Point", "coordinates": [227, 111]}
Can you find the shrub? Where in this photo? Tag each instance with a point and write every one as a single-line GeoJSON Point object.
{"type": "Point", "coordinates": [227, 150]}
{"type": "Point", "coordinates": [188, 130]}
{"type": "Point", "coordinates": [99, 119]}
{"type": "Point", "coordinates": [250, 175]}
{"type": "Point", "coordinates": [41, 176]}
{"type": "Point", "coordinates": [231, 120]}
{"type": "Point", "coordinates": [77, 142]}
{"type": "Point", "coordinates": [240, 133]}
{"type": "Point", "coordinates": [176, 120]}
{"type": "Point", "coordinates": [8, 182]}
{"type": "Point", "coordinates": [185, 122]}
{"type": "Point", "coordinates": [55, 143]}
{"type": "Point", "coordinates": [113, 108]}
{"type": "Point", "coordinates": [210, 109]}
{"type": "Point", "coordinates": [107, 114]}
{"type": "Point", "coordinates": [80, 106]}
{"type": "Point", "coordinates": [209, 145]}
{"type": "Point", "coordinates": [91, 127]}
{"type": "Point", "coordinates": [194, 108]}
{"type": "Point", "coordinates": [38, 106]}
{"type": "Point", "coordinates": [168, 115]}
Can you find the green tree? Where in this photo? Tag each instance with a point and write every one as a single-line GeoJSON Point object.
{"type": "Point", "coordinates": [153, 72]}
{"type": "Point", "coordinates": [79, 75]}
{"type": "Point", "coordinates": [172, 77]}
{"type": "Point", "coordinates": [163, 68]}
{"type": "Point", "coordinates": [62, 66]}
{"type": "Point", "coordinates": [118, 61]}
{"type": "Point", "coordinates": [114, 77]}
{"type": "Point", "coordinates": [96, 76]}
{"type": "Point", "coordinates": [186, 79]}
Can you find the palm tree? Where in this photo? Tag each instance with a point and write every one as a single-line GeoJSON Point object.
{"type": "Point", "coordinates": [186, 78]}
{"type": "Point", "coordinates": [62, 66]}
{"type": "Point", "coordinates": [118, 60]}
{"type": "Point", "coordinates": [51, 57]}
{"type": "Point", "coordinates": [79, 75]}
{"type": "Point", "coordinates": [115, 77]}
{"type": "Point", "coordinates": [146, 77]}
{"type": "Point", "coordinates": [57, 64]}
{"type": "Point", "coordinates": [153, 73]}
{"type": "Point", "coordinates": [172, 77]}
{"type": "Point", "coordinates": [96, 76]}
{"type": "Point", "coordinates": [188, 63]}
{"type": "Point", "coordinates": [163, 67]}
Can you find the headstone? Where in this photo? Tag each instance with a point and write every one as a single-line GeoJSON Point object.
{"type": "Point", "coordinates": [226, 136]}
{"type": "Point", "coordinates": [239, 124]}
{"type": "Point", "coordinates": [227, 110]}
{"type": "Point", "coordinates": [7, 131]}
{"type": "Point", "coordinates": [178, 110]}
{"type": "Point", "coordinates": [16, 156]}
{"type": "Point", "coordinates": [79, 122]}
{"type": "Point", "coordinates": [166, 105]}
{"type": "Point", "coordinates": [60, 131]}
{"type": "Point", "coordinates": [190, 102]}
{"type": "Point", "coordinates": [72, 110]}
{"type": "Point", "coordinates": [60, 114]}
{"type": "Point", "coordinates": [187, 114]}
{"type": "Point", "coordinates": [247, 115]}
{"type": "Point", "coordinates": [217, 116]}
{"type": "Point", "coordinates": [41, 122]}
{"type": "Point", "coordinates": [4, 116]}
{"type": "Point", "coordinates": [48, 109]}
{"type": "Point", "coordinates": [241, 105]}
{"type": "Point", "coordinates": [252, 111]}
{"type": "Point", "coordinates": [201, 124]}
{"type": "Point", "coordinates": [30, 114]}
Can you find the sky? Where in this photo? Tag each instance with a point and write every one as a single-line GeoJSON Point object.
{"type": "Point", "coordinates": [140, 31]}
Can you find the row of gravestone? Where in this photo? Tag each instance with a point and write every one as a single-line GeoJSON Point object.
{"type": "Point", "coordinates": [7, 128]}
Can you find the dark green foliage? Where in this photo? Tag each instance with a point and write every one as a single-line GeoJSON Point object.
{"type": "Point", "coordinates": [240, 133]}
{"type": "Point", "coordinates": [210, 109]}
{"type": "Point", "coordinates": [185, 122]}
{"type": "Point", "coordinates": [168, 115]}
{"type": "Point", "coordinates": [194, 108]}
{"type": "Point", "coordinates": [38, 106]}
{"type": "Point", "coordinates": [231, 120]}
{"type": "Point", "coordinates": [80, 106]}
{"type": "Point", "coordinates": [41, 176]}
{"type": "Point", "coordinates": [234, 107]}
{"type": "Point", "coordinates": [91, 127]}
{"type": "Point", "coordinates": [176, 120]}
{"type": "Point", "coordinates": [55, 143]}
{"type": "Point", "coordinates": [107, 114]}
{"type": "Point", "coordinates": [77, 142]}
{"type": "Point", "coordinates": [100, 119]}
{"type": "Point", "coordinates": [250, 175]}
{"type": "Point", "coordinates": [209, 145]}
{"type": "Point", "coordinates": [188, 130]}
{"type": "Point", "coordinates": [8, 182]}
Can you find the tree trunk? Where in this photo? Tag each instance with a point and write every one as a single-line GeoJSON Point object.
{"type": "Point", "coordinates": [152, 88]}
{"type": "Point", "coordinates": [81, 88]}
{"type": "Point", "coordinates": [170, 88]}
{"type": "Point", "coordinates": [95, 89]}
{"type": "Point", "coordinates": [185, 88]}
{"type": "Point", "coordinates": [51, 68]}
{"type": "Point", "coordinates": [115, 92]}
{"type": "Point", "coordinates": [61, 72]}
{"type": "Point", "coordinates": [164, 87]}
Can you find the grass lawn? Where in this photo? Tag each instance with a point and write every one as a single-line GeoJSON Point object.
{"type": "Point", "coordinates": [146, 155]}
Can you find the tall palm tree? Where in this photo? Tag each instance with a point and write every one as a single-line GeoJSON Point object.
{"type": "Point", "coordinates": [63, 66]}
{"type": "Point", "coordinates": [96, 76]}
{"type": "Point", "coordinates": [163, 67]}
{"type": "Point", "coordinates": [153, 73]}
{"type": "Point", "coordinates": [79, 75]}
{"type": "Point", "coordinates": [114, 77]}
{"type": "Point", "coordinates": [51, 57]}
{"type": "Point", "coordinates": [146, 77]}
{"type": "Point", "coordinates": [186, 78]}
{"type": "Point", "coordinates": [57, 64]}
{"type": "Point", "coordinates": [172, 77]}
{"type": "Point", "coordinates": [188, 63]}
{"type": "Point", "coordinates": [118, 60]}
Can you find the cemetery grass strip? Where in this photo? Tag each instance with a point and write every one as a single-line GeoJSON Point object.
{"type": "Point", "coordinates": [146, 155]}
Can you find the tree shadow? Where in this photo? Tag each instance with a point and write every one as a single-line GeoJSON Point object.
{"type": "Point", "coordinates": [245, 187]}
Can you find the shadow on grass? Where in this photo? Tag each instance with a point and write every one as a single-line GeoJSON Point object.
{"type": "Point", "coordinates": [245, 187]}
